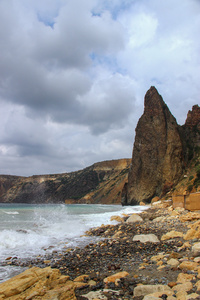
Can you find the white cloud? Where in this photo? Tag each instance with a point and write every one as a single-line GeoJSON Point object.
{"type": "Point", "coordinates": [73, 76]}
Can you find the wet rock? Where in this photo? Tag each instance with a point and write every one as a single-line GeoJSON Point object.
{"type": "Point", "coordinates": [44, 283]}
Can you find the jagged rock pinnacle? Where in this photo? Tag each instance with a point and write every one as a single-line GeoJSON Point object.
{"type": "Point", "coordinates": [157, 152]}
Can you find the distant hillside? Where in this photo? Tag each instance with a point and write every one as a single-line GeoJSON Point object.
{"type": "Point", "coordinates": [99, 183]}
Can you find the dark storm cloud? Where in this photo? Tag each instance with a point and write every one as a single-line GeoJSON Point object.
{"type": "Point", "coordinates": [73, 75]}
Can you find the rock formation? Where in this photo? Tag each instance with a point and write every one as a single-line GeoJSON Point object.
{"type": "Point", "coordinates": [99, 183]}
{"type": "Point", "coordinates": [157, 160]}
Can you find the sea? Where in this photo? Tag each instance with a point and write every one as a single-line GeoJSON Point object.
{"type": "Point", "coordinates": [28, 230]}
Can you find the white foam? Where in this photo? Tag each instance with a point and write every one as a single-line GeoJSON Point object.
{"type": "Point", "coordinates": [11, 212]}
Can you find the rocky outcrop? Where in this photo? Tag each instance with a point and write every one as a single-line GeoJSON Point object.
{"type": "Point", "coordinates": [99, 183]}
{"type": "Point", "coordinates": [190, 134]}
{"type": "Point", "coordinates": [157, 160]}
{"type": "Point", "coordinates": [36, 283]}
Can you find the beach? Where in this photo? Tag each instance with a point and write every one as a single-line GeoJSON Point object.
{"type": "Point", "coordinates": [171, 263]}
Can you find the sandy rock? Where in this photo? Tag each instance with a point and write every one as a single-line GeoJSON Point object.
{"type": "Point", "coordinates": [82, 278]}
{"type": "Point", "coordinates": [182, 295]}
{"type": "Point", "coordinates": [158, 295]}
{"type": "Point", "coordinates": [157, 257]}
{"type": "Point", "coordinates": [170, 235]}
{"type": "Point", "coordinates": [159, 219]}
{"type": "Point", "coordinates": [185, 246]}
{"type": "Point", "coordinates": [173, 262]}
{"type": "Point", "coordinates": [191, 216]}
{"type": "Point", "coordinates": [192, 234]}
{"type": "Point", "coordinates": [134, 218]}
{"type": "Point", "coordinates": [189, 265]}
{"type": "Point", "coordinates": [44, 283]}
{"type": "Point", "coordinates": [174, 213]}
{"type": "Point", "coordinates": [117, 218]}
{"type": "Point", "coordinates": [143, 290]}
{"type": "Point", "coordinates": [183, 277]}
{"type": "Point", "coordinates": [196, 249]}
{"type": "Point", "coordinates": [114, 277]}
{"type": "Point", "coordinates": [142, 203]}
{"type": "Point", "coordinates": [198, 285]}
{"type": "Point", "coordinates": [192, 296]}
{"type": "Point", "coordinates": [144, 238]}
{"type": "Point", "coordinates": [155, 199]}
{"type": "Point", "coordinates": [95, 295]}
{"type": "Point", "coordinates": [197, 259]}
{"type": "Point", "coordinates": [183, 287]}
{"type": "Point", "coordinates": [117, 235]}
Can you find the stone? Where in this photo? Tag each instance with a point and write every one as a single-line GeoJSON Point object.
{"type": "Point", "coordinates": [173, 262]}
{"type": "Point", "coordinates": [142, 290]}
{"type": "Point", "coordinates": [81, 278]}
{"type": "Point", "coordinates": [95, 295]}
{"type": "Point", "coordinates": [115, 277]}
{"type": "Point", "coordinates": [183, 277]}
{"type": "Point", "coordinates": [117, 218]}
{"type": "Point", "coordinates": [181, 295]}
{"type": "Point", "coordinates": [134, 218]}
{"type": "Point", "coordinates": [189, 265]}
{"type": "Point", "coordinates": [191, 216]}
{"type": "Point", "coordinates": [157, 161]}
{"type": "Point", "coordinates": [159, 219]}
{"type": "Point", "coordinates": [44, 283]}
{"type": "Point", "coordinates": [198, 285]}
{"type": "Point", "coordinates": [158, 295]}
{"type": "Point", "coordinates": [183, 287]}
{"type": "Point", "coordinates": [192, 296]}
{"type": "Point", "coordinates": [170, 235]}
{"type": "Point", "coordinates": [157, 257]}
{"type": "Point", "coordinates": [144, 238]}
{"type": "Point", "coordinates": [196, 249]}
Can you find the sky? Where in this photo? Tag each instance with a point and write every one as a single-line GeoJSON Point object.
{"type": "Point", "coordinates": [73, 76]}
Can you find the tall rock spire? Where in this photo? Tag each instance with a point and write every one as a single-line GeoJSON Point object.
{"type": "Point", "coordinates": [157, 161]}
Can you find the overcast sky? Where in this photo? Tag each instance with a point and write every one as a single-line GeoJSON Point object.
{"type": "Point", "coordinates": [73, 75]}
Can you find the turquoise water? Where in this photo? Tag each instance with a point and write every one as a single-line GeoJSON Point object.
{"type": "Point", "coordinates": [30, 230]}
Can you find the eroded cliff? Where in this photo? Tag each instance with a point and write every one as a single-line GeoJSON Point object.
{"type": "Point", "coordinates": [99, 183]}
{"type": "Point", "coordinates": [162, 150]}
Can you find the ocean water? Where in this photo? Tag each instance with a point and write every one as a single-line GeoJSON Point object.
{"type": "Point", "coordinates": [27, 231]}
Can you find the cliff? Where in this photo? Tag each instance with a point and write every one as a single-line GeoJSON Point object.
{"type": "Point", "coordinates": [99, 183]}
{"type": "Point", "coordinates": [162, 150]}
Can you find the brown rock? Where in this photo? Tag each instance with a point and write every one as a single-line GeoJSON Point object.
{"type": "Point", "coordinates": [114, 277]}
{"type": "Point", "coordinates": [172, 234]}
{"type": "Point", "coordinates": [142, 290]}
{"type": "Point", "coordinates": [44, 283]}
{"type": "Point", "coordinates": [188, 265]}
{"type": "Point", "coordinates": [183, 287]}
{"type": "Point", "coordinates": [182, 277]}
{"type": "Point", "coordinates": [157, 153]}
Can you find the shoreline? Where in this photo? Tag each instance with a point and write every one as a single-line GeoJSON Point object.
{"type": "Point", "coordinates": [151, 263]}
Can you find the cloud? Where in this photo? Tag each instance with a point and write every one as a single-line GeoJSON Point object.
{"type": "Point", "coordinates": [73, 76]}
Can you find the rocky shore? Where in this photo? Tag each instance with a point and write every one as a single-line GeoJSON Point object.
{"type": "Point", "coordinates": [151, 255]}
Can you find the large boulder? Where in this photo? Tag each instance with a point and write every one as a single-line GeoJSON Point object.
{"type": "Point", "coordinates": [36, 283]}
{"type": "Point", "coordinates": [157, 160]}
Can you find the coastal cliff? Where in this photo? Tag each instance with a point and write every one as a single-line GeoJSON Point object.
{"type": "Point", "coordinates": [163, 151]}
{"type": "Point", "coordinates": [99, 183]}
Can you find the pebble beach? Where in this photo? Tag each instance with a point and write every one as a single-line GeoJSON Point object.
{"type": "Point", "coordinates": [151, 255]}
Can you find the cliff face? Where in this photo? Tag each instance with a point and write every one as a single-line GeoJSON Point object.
{"type": "Point", "coordinates": [157, 160]}
{"type": "Point", "coordinates": [99, 183]}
